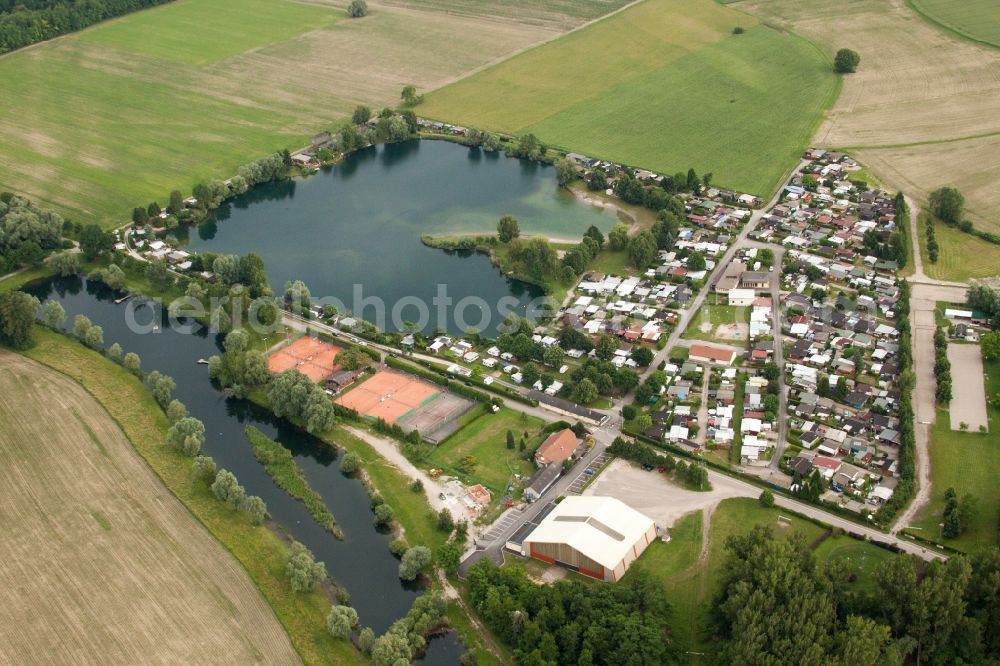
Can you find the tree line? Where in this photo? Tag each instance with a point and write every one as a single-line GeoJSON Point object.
{"type": "Point", "coordinates": [24, 22]}
{"type": "Point", "coordinates": [942, 367]}
{"type": "Point", "coordinates": [948, 205]}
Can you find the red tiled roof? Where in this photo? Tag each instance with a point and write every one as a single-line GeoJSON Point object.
{"type": "Point", "coordinates": [827, 463]}
{"type": "Point", "coordinates": [557, 447]}
{"type": "Point", "coordinates": [713, 353]}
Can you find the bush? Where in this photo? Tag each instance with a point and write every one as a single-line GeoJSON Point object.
{"type": "Point", "coordinates": [341, 621]}
{"type": "Point", "coordinates": [414, 561]}
{"type": "Point", "coordinates": [846, 61]}
{"type": "Point", "coordinates": [767, 499]}
{"type": "Point", "coordinates": [204, 467]}
{"type": "Point", "coordinates": [382, 515]}
{"type": "Point", "coordinates": [302, 569]}
{"type": "Point", "coordinates": [398, 546]}
{"type": "Point", "coordinates": [445, 522]}
{"type": "Point", "coordinates": [357, 8]}
{"type": "Point", "coordinates": [350, 464]}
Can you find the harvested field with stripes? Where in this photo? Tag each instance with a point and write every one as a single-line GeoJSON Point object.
{"type": "Point", "coordinates": [100, 563]}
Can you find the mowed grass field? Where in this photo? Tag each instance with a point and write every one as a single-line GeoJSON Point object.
{"type": "Point", "coordinates": [551, 13]}
{"type": "Point", "coordinates": [975, 19]}
{"type": "Point", "coordinates": [484, 439]}
{"type": "Point", "coordinates": [961, 256]}
{"type": "Point", "coordinates": [664, 85]}
{"type": "Point", "coordinates": [101, 564]}
{"type": "Point", "coordinates": [967, 462]}
{"type": "Point", "coordinates": [113, 117]}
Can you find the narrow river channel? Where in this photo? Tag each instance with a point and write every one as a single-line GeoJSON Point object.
{"type": "Point", "coordinates": [361, 562]}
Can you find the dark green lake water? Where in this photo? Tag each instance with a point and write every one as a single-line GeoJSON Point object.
{"type": "Point", "coordinates": [357, 226]}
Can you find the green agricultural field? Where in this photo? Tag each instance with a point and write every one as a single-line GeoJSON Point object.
{"type": "Point", "coordinates": [664, 85]}
{"type": "Point", "coordinates": [967, 462]}
{"type": "Point", "coordinates": [559, 13]}
{"type": "Point", "coordinates": [485, 441]}
{"type": "Point", "coordinates": [118, 115]}
{"type": "Point", "coordinates": [206, 31]}
{"type": "Point", "coordinates": [978, 20]}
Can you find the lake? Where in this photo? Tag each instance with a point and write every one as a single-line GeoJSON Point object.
{"type": "Point", "coordinates": [353, 230]}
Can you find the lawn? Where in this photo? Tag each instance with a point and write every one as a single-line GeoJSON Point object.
{"type": "Point", "coordinates": [967, 462]}
{"type": "Point", "coordinates": [612, 262]}
{"type": "Point", "coordinates": [861, 556]}
{"type": "Point", "coordinates": [18, 280]}
{"type": "Point", "coordinates": [961, 256]}
{"type": "Point", "coordinates": [663, 85]}
{"type": "Point", "coordinates": [118, 115]}
{"type": "Point", "coordinates": [261, 552]}
{"type": "Point", "coordinates": [978, 20]}
{"type": "Point", "coordinates": [485, 441]}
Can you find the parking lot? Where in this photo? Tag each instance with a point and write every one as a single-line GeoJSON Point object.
{"type": "Point", "coordinates": [588, 473]}
{"type": "Point", "coordinates": [498, 528]}
{"type": "Point", "coordinates": [657, 497]}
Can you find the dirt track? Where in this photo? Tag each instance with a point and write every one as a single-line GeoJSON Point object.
{"type": "Point", "coordinates": [99, 562]}
{"type": "Point", "coordinates": [923, 299]}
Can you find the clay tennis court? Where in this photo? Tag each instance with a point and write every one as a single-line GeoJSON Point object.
{"type": "Point", "coordinates": [312, 357]}
{"type": "Point", "coordinates": [388, 395]}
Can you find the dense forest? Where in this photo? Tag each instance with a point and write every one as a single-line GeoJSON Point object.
{"type": "Point", "coordinates": [779, 605]}
{"type": "Point", "coordinates": [24, 22]}
{"type": "Point", "coordinates": [571, 622]}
